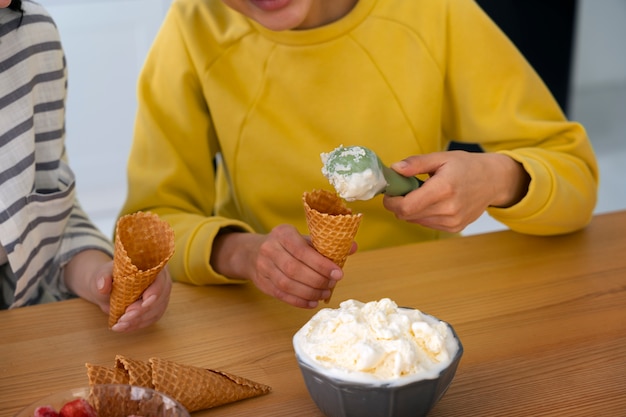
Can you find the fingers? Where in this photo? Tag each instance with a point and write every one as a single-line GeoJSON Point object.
{"type": "Point", "coordinates": [291, 291]}
{"type": "Point", "coordinates": [420, 164]}
{"type": "Point", "coordinates": [458, 191]}
{"type": "Point", "coordinates": [289, 269]}
{"type": "Point", "coordinates": [104, 283]}
{"type": "Point", "coordinates": [149, 308]}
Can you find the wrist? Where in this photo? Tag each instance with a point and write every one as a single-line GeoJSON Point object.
{"type": "Point", "coordinates": [512, 181]}
{"type": "Point", "coordinates": [231, 254]}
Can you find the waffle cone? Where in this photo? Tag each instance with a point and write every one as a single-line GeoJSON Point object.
{"type": "Point", "coordinates": [138, 372]}
{"type": "Point", "coordinates": [195, 388]}
{"type": "Point", "coordinates": [143, 245]}
{"type": "Point", "coordinates": [331, 224]}
{"type": "Point", "coordinates": [198, 388]}
{"type": "Point", "coordinates": [98, 375]}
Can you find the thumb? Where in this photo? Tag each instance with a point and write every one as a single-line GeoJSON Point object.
{"type": "Point", "coordinates": [418, 164]}
{"type": "Point", "coordinates": [104, 283]}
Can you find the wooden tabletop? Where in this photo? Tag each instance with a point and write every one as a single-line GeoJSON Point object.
{"type": "Point", "coordinates": [542, 321]}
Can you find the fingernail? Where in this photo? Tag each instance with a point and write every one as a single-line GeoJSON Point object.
{"type": "Point", "coordinates": [149, 301]}
{"type": "Point", "coordinates": [332, 284]}
{"type": "Point", "coordinates": [336, 274]}
{"type": "Point", "coordinates": [313, 304]}
{"type": "Point", "coordinates": [120, 326]}
{"type": "Point", "coordinates": [128, 316]}
{"type": "Point", "coordinates": [399, 165]}
{"type": "Point", "coordinates": [100, 283]}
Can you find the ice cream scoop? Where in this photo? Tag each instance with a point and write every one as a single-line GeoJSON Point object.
{"type": "Point", "coordinates": [357, 173]}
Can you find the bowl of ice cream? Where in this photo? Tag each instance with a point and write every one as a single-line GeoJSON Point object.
{"type": "Point", "coordinates": [376, 359]}
{"type": "Point", "coordinates": [106, 400]}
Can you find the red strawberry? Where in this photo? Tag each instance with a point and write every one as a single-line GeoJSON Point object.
{"type": "Point", "coordinates": [77, 408]}
{"type": "Point", "coordinates": [45, 411]}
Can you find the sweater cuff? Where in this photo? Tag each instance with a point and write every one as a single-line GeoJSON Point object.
{"type": "Point", "coordinates": [540, 190]}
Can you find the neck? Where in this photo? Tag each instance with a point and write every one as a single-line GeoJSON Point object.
{"type": "Point", "coordinates": [326, 12]}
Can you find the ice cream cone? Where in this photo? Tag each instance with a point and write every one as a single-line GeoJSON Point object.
{"type": "Point", "coordinates": [198, 388]}
{"type": "Point", "coordinates": [143, 245]}
{"type": "Point", "coordinates": [97, 374]}
{"type": "Point", "coordinates": [331, 224]}
{"type": "Point", "coordinates": [139, 372]}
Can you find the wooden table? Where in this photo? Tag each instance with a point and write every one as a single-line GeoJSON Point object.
{"type": "Point", "coordinates": [542, 321]}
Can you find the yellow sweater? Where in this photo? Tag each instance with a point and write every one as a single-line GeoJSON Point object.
{"type": "Point", "coordinates": [401, 77]}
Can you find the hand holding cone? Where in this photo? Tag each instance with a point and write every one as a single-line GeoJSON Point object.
{"type": "Point", "coordinates": [195, 388]}
{"type": "Point", "coordinates": [331, 224]}
{"type": "Point", "coordinates": [143, 245]}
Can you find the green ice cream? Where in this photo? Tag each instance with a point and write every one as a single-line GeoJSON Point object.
{"type": "Point", "coordinates": [357, 173]}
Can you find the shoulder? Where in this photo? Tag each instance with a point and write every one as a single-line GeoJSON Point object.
{"type": "Point", "coordinates": [423, 14]}
{"type": "Point", "coordinates": [30, 34]}
{"type": "Point", "coordinates": [33, 25]}
{"type": "Point", "coordinates": [431, 23]}
{"type": "Point", "coordinates": [35, 13]}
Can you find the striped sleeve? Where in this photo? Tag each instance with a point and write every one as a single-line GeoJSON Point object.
{"type": "Point", "coordinates": [41, 222]}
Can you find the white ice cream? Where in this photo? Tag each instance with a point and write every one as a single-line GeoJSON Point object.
{"type": "Point", "coordinates": [352, 174]}
{"type": "Point", "coordinates": [376, 342]}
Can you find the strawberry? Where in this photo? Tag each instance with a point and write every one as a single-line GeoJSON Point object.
{"type": "Point", "coordinates": [77, 408]}
{"type": "Point", "coordinates": [45, 411]}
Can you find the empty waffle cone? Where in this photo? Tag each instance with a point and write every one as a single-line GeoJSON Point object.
{"type": "Point", "coordinates": [97, 375]}
{"type": "Point", "coordinates": [143, 245]}
{"type": "Point", "coordinates": [198, 388]}
{"type": "Point", "coordinates": [331, 224]}
{"type": "Point", "coordinates": [138, 372]}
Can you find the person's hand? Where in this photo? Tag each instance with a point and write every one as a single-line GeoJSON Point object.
{"type": "Point", "coordinates": [145, 311]}
{"type": "Point", "coordinates": [90, 275]}
{"type": "Point", "coordinates": [282, 264]}
{"type": "Point", "coordinates": [461, 186]}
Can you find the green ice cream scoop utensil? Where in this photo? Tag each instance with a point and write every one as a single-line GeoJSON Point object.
{"type": "Point", "coordinates": [349, 160]}
{"type": "Point", "coordinates": [398, 184]}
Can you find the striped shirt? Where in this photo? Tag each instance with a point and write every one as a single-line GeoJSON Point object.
{"type": "Point", "coordinates": [41, 222]}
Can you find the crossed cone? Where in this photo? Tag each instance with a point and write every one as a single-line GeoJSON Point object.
{"type": "Point", "coordinates": [195, 388]}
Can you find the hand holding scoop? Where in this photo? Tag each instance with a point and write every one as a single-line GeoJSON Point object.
{"type": "Point", "coordinates": [357, 173]}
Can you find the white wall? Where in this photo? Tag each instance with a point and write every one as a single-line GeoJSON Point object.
{"type": "Point", "coordinates": [105, 43]}
{"type": "Point", "coordinates": [600, 53]}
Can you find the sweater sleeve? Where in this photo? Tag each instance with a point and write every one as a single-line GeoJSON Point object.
{"type": "Point", "coordinates": [495, 98]}
{"type": "Point", "coordinates": [171, 169]}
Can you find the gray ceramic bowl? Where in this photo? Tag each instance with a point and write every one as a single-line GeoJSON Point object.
{"type": "Point", "coordinates": [338, 398]}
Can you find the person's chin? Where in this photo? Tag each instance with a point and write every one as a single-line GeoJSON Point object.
{"type": "Point", "coordinates": [270, 5]}
{"type": "Point", "coordinates": [277, 15]}
{"type": "Point", "coordinates": [279, 22]}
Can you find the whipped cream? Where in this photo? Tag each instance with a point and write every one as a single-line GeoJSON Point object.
{"type": "Point", "coordinates": [376, 342]}
{"type": "Point", "coordinates": [353, 172]}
